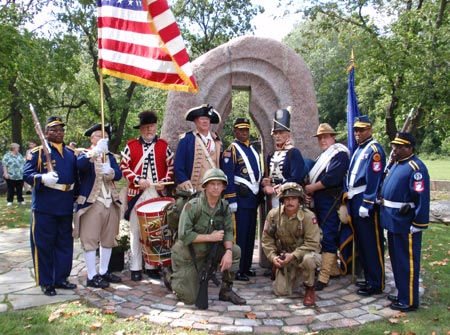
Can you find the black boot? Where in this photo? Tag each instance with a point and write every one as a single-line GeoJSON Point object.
{"type": "Point", "coordinates": [226, 294]}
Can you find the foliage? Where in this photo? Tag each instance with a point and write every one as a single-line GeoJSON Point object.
{"type": "Point", "coordinates": [123, 238]}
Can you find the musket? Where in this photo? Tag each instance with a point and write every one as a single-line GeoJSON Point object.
{"type": "Point", "coordinates": [45, 146]}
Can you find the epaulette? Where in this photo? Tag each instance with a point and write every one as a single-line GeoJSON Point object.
{"type": "Point", "coordinates": [36, 149]}
{"type": "Point", "coordinates": [182, 135]}
{"type": "Point", "coordinates": [374, 147]}
{"type": "Point", "coordinates": [414, 165]}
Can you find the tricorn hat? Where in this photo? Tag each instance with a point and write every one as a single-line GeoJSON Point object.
{"type": "Point", "coordinates": [291, 189]}
{"type": "Point", "coordinates": [146, 117]}
{"type": "Point", "coordinates": [404, 139]}
{"type": "Point", "coordinates": [98, 126]}
{"type": "Point", "coordinates": [362, 121]}
{"type": "Point", "coordinates": [325, 128]}
{"type": "Point", "coordinates": [54, 121]}
{"type": "Point", "coordinates": [282, 120]}
{"type": "Point", "coordinates": [242, 123]}
{"type": "Point", "coordinates": [203, 110]}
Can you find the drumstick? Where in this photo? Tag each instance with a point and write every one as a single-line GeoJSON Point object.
{"type": "Point", "coordinates": [163, 183]}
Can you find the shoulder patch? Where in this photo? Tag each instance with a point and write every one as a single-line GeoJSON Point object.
{"type": "Point", "coordinates": [227, 153]}
{"type": "Point", "coordinates": [314, 220]}
{"type": "Point", "coordinates": [419, 186]}
{"type": "Point", "coordinates": [376, 166]}
{"type": "Point", "coordinates": [418, 176]}
{"type": "Point", "coordinates": [377, 157]}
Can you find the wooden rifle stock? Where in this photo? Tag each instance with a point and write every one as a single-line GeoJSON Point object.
{"type": "Point", "coordinates": [45, 147]}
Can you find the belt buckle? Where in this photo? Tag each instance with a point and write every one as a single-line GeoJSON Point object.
{"type": "Point", "coordinates": [65, 187]}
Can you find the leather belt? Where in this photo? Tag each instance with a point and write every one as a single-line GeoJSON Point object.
{"type": "Point", "coordinates": [356, 190]}
{"type": "Point", "coordinates": [395, 204]}
{"type": "Point", "coordinates": [61, 187]}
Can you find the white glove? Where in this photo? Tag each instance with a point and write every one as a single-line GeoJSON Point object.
{"type": "Point", "coordinates": [50, 178]}
{"type": "Point", "coordinates": [363, 212]}
{"type": "Point", "coordinates": [413, 230]}
{"type": "Point", "coordinates": [106, 168]}
{"type": "Point", "coordinates": [233, 207]}
{"type": "Point", "coordinates": [101, 147]}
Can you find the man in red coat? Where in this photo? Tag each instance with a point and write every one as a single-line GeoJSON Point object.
{"type": "Point", "coordinates": [147, 161]}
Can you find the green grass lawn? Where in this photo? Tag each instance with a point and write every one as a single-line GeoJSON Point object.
{"type": "Point", "coordinates": [438, 169]}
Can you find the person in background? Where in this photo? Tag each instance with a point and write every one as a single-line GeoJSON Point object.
{"type": "Point", "coordinates": [52, 209]}
{"type": "Point", "coordinates": [198, 150]}
{"type": "Point", "coordinates": [98, 206]}
{"type": "Point", "coordinates": [13, 163]}
{"type": "Point", "coordinates": [291, 242]}
{"type": "Point", "coordinates": [147, 163]}
{"type": "Point", "coordinates": [241, 164]}
{"type": "Point", "coordinates": [405, 208]}
{"type": "Point", "coordinates": [31, 144]}
{"type": "Point", "coordinates": [363, 182]}
{"type": "Point", "coordinates": [326, 181]}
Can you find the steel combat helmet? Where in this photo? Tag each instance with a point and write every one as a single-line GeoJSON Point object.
{"type": "Point", "coordinates": [214, 174]}
{"type": "Point", "coordinates": [291, 189]}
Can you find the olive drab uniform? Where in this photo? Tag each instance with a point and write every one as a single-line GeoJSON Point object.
{"type": "Point", "coordinates": [299, 235]}
{"type": "Point", "coordinates": [185, 279]}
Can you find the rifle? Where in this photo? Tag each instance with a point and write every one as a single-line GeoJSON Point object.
{"type": "Point", "coordinates": [209, 272]}
{"type": "Point", "coordinates": [45, 147]}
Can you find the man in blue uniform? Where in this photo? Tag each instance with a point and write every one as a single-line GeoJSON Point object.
{"type": "Point", "coordinates": [326, 180]}
{"type": "Point", "coordinates": [52, 209]}
{"type": "Point", "coordinates": [405, 207]}
{"type": "Point", "coordinates": [241, 164]}
{"type": "Point", "coordinates": [363, 181]}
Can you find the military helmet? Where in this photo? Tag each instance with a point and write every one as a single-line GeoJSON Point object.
{"type": "Point", "coordinates": [291, 189]}
{"type": "Point", "coordinates": [214, 174]}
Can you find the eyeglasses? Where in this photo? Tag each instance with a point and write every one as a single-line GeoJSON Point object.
{"type": "Point", "coordinates": [57, 130]}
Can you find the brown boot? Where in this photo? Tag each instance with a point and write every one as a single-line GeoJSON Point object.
{"type": "Point", "coordinates": [310, 296]}
{"type": "Point", "coordinates": [226, 294]}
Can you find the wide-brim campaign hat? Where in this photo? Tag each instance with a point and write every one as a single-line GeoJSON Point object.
{"type": "Point", "coordinates": [282, 120]}
{"type": "Point", "coordinates": [146, 117]}
{"type": "Point", "coordinates": [203, 110]}
{"type": "Point", "coordinates": [404, 139]}
{"type": "Point", "coordinates": [54, 121]}
{"type": "Point", "coordinates": [242, 123]}
{"type": "Point", "coordinates": [325, 128]}
{"type": "Point", "coordinates": [98, 126]}
{"type": "Point", "coordinates": [362, 122]}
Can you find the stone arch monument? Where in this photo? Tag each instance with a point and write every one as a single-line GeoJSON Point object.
{"type": "Point", "coordinates": [274, 75]}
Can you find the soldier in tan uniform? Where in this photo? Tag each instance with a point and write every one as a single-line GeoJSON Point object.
{"type": "Point", "coordinates": [291, 242]}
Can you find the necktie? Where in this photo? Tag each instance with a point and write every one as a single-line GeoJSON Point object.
{"type": "Point", "coordinates": [208, 145]}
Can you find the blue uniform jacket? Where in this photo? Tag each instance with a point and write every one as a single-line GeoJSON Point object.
{"type": "Point", "coordinates": [87, 174]}
{"type": "Point", "coordinates": [370, 171]}
{"type": "Point", "coordinates": [294, 169]}
{"type": "Point", "coordinates": [233, 165]}
{"type": "Point", "coordinates": [406, 182]}
{"type": "Point", "coordinates": [49, 200]}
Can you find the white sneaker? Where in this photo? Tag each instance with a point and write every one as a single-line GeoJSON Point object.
{"type": "Point", "coordinates": [23, 203]}
{"type": "Point", "coordinates": [9, 204]}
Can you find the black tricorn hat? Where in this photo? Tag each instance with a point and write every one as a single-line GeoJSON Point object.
{"type": "Point", "coordinates": [146, 117]}
{"type": "Point", "coordinates": [98, 126]}
{"type": "Point", "coordinates": [54, 121]}
{"type": "Point", "coordinates": [203, 110]}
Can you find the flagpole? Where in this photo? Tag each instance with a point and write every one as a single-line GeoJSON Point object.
{"type": "Point", "coordinates": [102, 112]}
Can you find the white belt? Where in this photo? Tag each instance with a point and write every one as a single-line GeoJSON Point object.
{"type": "Point", "coordinates": [394, 204]}
{"type": "Point", "coordinates": [107, 202]}
{"type": "Point", "coordinates": [356, 190]}
{"type": "Point", "coordinates": [61, 187]}
{"type": "Point", "coordinates": [253, 187]}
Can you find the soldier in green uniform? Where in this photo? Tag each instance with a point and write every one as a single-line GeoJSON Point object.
{"type": "Point", "coordinates": [205, 220]}
{"type": "Point", "coordinates": [291, 242]}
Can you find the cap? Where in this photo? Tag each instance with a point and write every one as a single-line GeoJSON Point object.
{"type": "Point", "coordinates": [146, 117]}
{"type": "Point", "coordinates": [324, 128]}
{"type": "Point", "coordinates": [98, 126]}
{"type": "Point", "coordinates": [362, 122]}
{"type": "Point", "coordinates": [291, 189]}
{"type": "Point", "coordinates": [54, 121]}
{"type": "Point", "coordinates": [404, 139]}
{"type": "Point", "coordinates": [242, 123]}
{"type": "Point", "coordinates": [203, 110]}
{"type": "Point", "coordinates": [282, 120]}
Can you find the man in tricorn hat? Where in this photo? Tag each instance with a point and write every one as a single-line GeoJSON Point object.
{"type": "Point", "coordinates": [326, 180]}
{"type": "Point", "coordinates": [147, 163]}
{"type": "Point", "coordinates": [54, 192]}
{"type": "Point", "coordinates": [291, 242]}
{"type": "Point", "coordinates": [363, 181]}
{"type": "Point", "coordinates": [241, 164]}
{"type": "Point", "coordinates": [198, 150]}
{"type": "Point", "coordinates": [286, 163]}
{"type": "Point", "coordinates": [405, 207]}
{"type": "Point", "coordinates": [98, 206]}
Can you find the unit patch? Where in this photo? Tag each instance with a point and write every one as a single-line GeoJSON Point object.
{"type": "Point", "coordinates": [376, 166]}
{"type": "Point", "coordinates": [377, 157]}
{"type": "Point", "coordinates": [417, 176]}
{"type": "Point", "coordinates": [419, 186]}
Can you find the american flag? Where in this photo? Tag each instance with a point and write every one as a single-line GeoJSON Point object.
{"type": "Point", "coordinates": [139, 40]}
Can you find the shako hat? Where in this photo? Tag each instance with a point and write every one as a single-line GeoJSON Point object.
{"type": "Point", "coordinates": [325, 128]}
{"type": "Point", "coordinates": [404, 139]}
{"type": "Point", "coordinates": [282, 120]}
{"type": "Point", "coordinates": [242, 123]}
{"type": "Point", "coordinates": [98, 126]}
{"type": "Point", "coordinates": [146, 117]}
{"type": "Point", "coordinates": [362, 121]}
{"type": "Point", "coordinates": [203, 110]}
{"type": "Point", "coordinates": [54, 121]}
{"type": "Point", "coordinates": [291, 189]}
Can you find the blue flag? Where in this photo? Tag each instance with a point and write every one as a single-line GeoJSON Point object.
{"type": "Point", "coordinates": [352, 110]}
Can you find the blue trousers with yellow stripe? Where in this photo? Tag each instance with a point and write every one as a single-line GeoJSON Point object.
{"type": "Point", "coordinates": [245, 236]}
{"type": "Point", "coordinates": [404, 251]}
{"type": "Point", "coordinates": [51, 247]}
